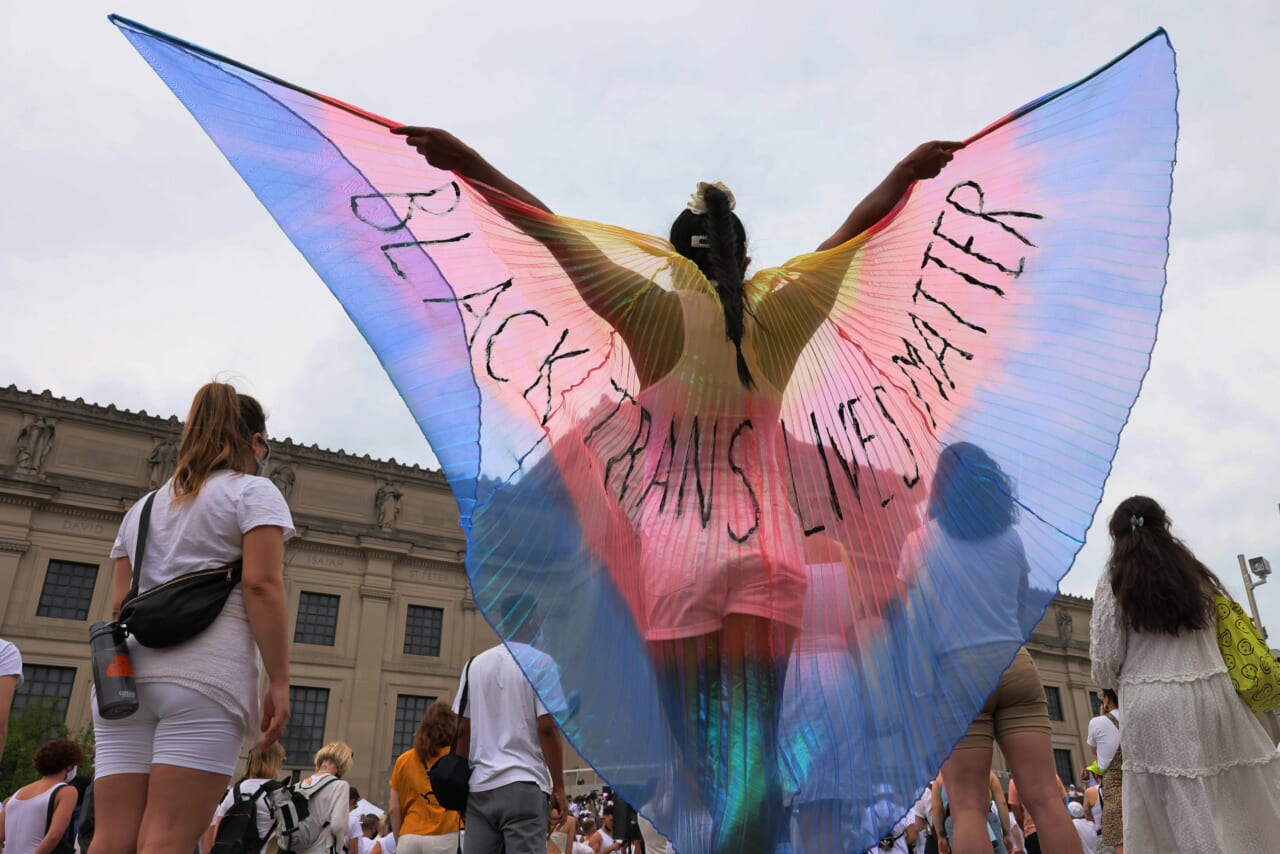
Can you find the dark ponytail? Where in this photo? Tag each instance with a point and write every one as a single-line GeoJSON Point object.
{"type": "Point", "coordinates": [720, 261]}
{"type": "Point", "coordinates": [1160, 585]}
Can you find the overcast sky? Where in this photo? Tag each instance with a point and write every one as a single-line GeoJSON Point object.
{"type": "Point", "coordinates": [136, 265]}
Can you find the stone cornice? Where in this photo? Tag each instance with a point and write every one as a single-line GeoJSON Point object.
{"type": "Point", "coordinates": [59, 408]}
{"type": "Point", "coordinates": [379, 594]}
{"type": "Point", "coordinates": [311, 547]}
{"type": "Point", "coordinates": [428, 563]}
{"type": "Point", "coordinates": [19, 546]}
{"type": "Point", "coordinates": [1056, 643]}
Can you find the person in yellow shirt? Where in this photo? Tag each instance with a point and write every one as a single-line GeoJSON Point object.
{"type": "Point", "coordinates": [420, 824]}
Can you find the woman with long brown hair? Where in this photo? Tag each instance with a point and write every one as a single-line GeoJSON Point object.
{"type": "Point", "coordinates": [1199, 771]}
{"type": "Point", "coordinates": [161, 771]}
{"type": "Point", "coordinates": [420, 824]}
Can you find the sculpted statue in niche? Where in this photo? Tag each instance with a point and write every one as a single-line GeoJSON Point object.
{"type": "Point", "coordinates": [161, 463]}
{"type": "Point", "coordinates": [1064, 624]}
{"type": "Point", "coordinates": [387, 504]}
{"type": "Point", "coordinates": [34, 443]}
{"type": "Point", "coordinates": [283, 477]}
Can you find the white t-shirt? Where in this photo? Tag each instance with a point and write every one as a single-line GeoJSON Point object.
{"type": "Point", "coordinates": [388, 843]}
{"type": "Point", "coordinates": [10, 661]}
{"type": "Point", "coordinates": [247, 789]}
{"type": "Point", "coordinates": [205, 532]}
{"type": "Point", "coordinates": [202, 532]}
{"type": "Point", "coordinates": [353, 830]}
{"type": "Point", "coordinates": [1087, 833]}
{"type": "Point", "coordinates": [1105, 736]}
{"type": "Point", "coordinates": [504, 711]}
{"type": "Point", "coordinates": [922, 810]}
{"type": "Point", "coordinates": [885, 810]}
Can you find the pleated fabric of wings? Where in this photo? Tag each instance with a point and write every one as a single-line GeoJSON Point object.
{"type": "Point", "coordinates": [743, 603]}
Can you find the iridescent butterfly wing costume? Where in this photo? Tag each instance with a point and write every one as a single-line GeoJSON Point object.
{"type": "Point", "coordinates": [774, 609]}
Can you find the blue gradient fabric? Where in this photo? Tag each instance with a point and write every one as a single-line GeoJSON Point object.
{"type": "Point", "coordinates": [772, 609]}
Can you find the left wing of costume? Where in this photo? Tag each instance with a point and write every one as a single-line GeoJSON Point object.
{"type": "Point", "coordinates": [1009, 305]}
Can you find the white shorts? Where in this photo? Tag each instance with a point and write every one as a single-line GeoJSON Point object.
{"type": "Point", "coordinates": [174, 725]}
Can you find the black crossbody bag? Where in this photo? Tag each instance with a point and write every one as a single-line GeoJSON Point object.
{"type": "Point", "coordinates": [178, 610]}
{"type": "Point", "coordinates": [450, 776]}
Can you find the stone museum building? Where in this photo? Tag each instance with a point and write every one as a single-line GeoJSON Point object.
{"type": "Point", "coordinates": [382, 619]}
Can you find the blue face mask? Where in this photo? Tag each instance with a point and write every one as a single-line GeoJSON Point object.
{"type": "Point", "coordinates": [262, 463]}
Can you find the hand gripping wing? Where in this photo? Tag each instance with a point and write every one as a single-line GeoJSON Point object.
{"type": "Point", "coordinates": [620, 496]}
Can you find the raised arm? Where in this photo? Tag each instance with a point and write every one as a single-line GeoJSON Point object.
{"type": "Point", "coordinates": [791, 314]}
{"type": "Point", "coordinates": [645, 315]}
{"type": "Point", "coordinates": [445, 151]}
{"type": "Point", "coordinates": [925, 162]}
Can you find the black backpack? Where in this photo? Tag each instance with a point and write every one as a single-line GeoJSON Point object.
{"type": "Point", "coordinates": [450, 776]}
{"type": "Point", "coordinates": [238, 830]}
{"type": "Point", "coordinates": [297, 827]}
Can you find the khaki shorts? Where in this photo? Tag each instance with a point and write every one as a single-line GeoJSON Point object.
{"type": "Point", "coordinates": [1017, 705]}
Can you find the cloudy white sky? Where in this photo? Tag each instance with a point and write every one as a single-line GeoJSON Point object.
{"type": "Point", "coordinates": [135, 265]}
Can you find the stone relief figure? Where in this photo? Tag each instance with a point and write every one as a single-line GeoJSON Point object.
{"type": "Point", "coordinates": [283, 477]}
{"type": "Point", "coordinates": [162, 462]}
{"type": "Point", "coordinates": [387, 504]}
{"type": "Point", "coordinates": [34, 443]}
{"type": "Point", "coordinates": [1064, 624]}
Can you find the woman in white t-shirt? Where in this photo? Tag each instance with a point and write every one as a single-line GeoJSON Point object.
{"type": "Point", "coordinates": [160, 772]}
{"type": "Point", "coordinates": [261, 767]}
{"type": "Point", "coordinates": [10, 681]}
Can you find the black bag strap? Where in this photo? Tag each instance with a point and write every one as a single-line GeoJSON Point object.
{"type": "Point", "coordinates": [53, 799]}
{"type": "Point", "coordinates": [462, 706]}
{"type": "Point", "coordinates": [144, 525]}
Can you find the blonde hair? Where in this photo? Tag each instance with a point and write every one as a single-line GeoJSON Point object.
{"type": "Point", "coordinates": [265, 764]}
{"type": "Point", "coordinates": [218, 435]}
{"type": "Point", "coordinates": [336, 752]}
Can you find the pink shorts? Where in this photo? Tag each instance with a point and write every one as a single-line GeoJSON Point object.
{"type": "Point", "coordinates": [753, 587]}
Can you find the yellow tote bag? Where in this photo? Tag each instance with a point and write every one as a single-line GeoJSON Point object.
{"type": "Point", "coordinates": [1254, 670]}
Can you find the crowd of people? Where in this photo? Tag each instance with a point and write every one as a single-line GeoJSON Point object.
{"type": "Point", "coordinates": [1181, 766]}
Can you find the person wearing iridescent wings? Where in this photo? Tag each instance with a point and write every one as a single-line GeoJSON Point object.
{"type": "Point", "coordinates": [713, 356]}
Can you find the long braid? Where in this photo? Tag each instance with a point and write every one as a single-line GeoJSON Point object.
{"type": "Point", "coordinates": [725, 256]}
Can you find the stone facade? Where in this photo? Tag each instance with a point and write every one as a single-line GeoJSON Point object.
{"type": "Point", "coordinates": [83, 465]}
{"type": "Point", "coordinates": [377, 539]}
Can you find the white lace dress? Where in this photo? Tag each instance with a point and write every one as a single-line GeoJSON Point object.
{"type": "Point", "coordinates": [1200, 772]}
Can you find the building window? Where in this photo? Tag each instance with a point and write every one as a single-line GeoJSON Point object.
{"type": "Point", "coordinates": [68, 590]}
{"type": "Point", "coordinates": [422, 630]}
{"type": "Point", "coordinates": [1095, 703]}
{"type": "Point", "coordinates": [317, 618]}
{"type": "Point", "coordinates": [1054, 699]}
{"type": "Point", "coordinates": [47, 685]}
{"type": "Point", "coordinates": [1062, 764]}
{"type": "Point", "coordinates": [304, 734]}
{"type": "Point", "coordinates": [409, 712]}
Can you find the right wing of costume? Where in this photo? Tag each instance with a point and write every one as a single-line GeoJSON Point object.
{"type": "Point", "coordinates": [619, 487]}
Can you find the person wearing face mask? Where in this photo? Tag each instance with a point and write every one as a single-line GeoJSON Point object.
{"type": "Point", "coordinates": [27, 822]}
{"type": "Point", "coordinates": [160, 772]}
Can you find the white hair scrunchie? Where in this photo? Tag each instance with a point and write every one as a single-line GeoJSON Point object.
{"type": "Point", "coordinates": [698, 201]}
